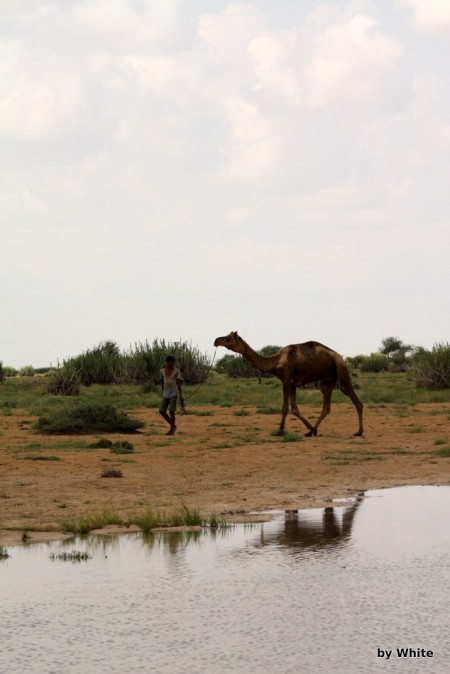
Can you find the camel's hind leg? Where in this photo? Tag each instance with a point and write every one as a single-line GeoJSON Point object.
{"type": "Point", "coordinates": [327, 388]}
{"type": "Point", "coordinates": [348, 390]}
{"type": "Point", "coordinates": [296, 412]}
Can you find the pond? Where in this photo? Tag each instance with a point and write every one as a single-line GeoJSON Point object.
{"type": "Point", "coordinates": [357, 587]}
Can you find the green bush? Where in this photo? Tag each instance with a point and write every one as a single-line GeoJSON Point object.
{"type": "Point", "coordinates": [376, 362]}
{"type": "Point", "coordinates": [87, 418]}
{"type": "Point", "coordinates": [433, 368]}
{"type": "Point", "coordinates": [106, 364]}
{"type": "Point", "coordinates": [10, 371]}
{"type": "Point", "coordinates": [100, 365]}
{"type": "Point", "coordinates": [27, 371]}
{"type": "Point", "coordinates": [65, 381]}
{"type": "Point", "coordinates": [237, 367]}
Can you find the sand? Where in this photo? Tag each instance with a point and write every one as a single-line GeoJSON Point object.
{"type": "Point", "coordinates": [218, 461]}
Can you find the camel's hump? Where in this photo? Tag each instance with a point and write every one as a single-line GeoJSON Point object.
{"type": "Point", "coordinates": [311, 346]}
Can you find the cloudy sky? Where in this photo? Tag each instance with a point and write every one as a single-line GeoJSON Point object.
{"type": "Point", "coordinates": [185, 168]}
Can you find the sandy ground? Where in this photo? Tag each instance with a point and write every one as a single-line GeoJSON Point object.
{"type": "Point", "coordinates": [219, 462]}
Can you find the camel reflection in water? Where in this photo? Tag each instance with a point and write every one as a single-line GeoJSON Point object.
{"type": "Point", "coordinates": [301, 531]}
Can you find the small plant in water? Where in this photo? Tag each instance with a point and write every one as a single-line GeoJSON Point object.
{"type": "Point", "coordinates": [3, 553]}
{"type": "Point", "coordinates": [73, 556]}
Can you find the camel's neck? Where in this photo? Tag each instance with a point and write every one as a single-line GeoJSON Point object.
{"type": "Point", "coordinates": [262, 363]}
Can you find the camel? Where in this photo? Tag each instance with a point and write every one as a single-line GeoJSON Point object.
{"type": "Point", "coordinates": [296, 365]}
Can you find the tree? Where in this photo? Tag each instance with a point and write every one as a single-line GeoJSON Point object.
{"type": "Point", "coordinates": [391, 345]}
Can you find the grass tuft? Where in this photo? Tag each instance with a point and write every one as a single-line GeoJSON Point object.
{"type": "Point", "coordinates": [87, 418]}
{"type": "Point", "coordinates": [3, 553]}
{"type": "Point", "coordinates": [112, 473]}
{"type": "Point", "coordinates": [73, 556]}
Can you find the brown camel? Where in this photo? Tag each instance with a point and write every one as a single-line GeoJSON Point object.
{"type": "Point", "coordinates": [296, 365]}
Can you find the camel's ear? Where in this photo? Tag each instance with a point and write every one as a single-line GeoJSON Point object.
{"type": "Point", "coordinates": [235, 334]}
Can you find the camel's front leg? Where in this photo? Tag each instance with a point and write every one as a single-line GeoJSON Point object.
{"type": "Point", "coordinates": [296, 412]}
{"type": "Point", "coordinates": [284, 409]}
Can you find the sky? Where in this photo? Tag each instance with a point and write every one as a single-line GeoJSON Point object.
{"type": "Point", "coordinates": [182, 169]}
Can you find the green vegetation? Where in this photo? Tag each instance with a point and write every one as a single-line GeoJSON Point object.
{"type": "Point", "coordinates": [121, 447]}
{"type": "Point", "coordinates": [87, 418]}
{"type": "Point", "coordinates": [89, 522]}
{"type": "Point", "coordinates": [73, 556]}
{"type": "Point", "coordinates": [3, 553]}
{"type": "Point", "coordinates": [393, 388]}
{"type": "Point", "coordinates": [147, 520]}
{"type": "Point", "coordinates": [106, 364]}
{"type": "Point", "coordinates": [433, 368]}
{"type": "Point", "coordinates": [112, 473]}
{"type": "Point", "coordinates": [236, 367]}
{"type": "Point", "coordinates": [42, 457]}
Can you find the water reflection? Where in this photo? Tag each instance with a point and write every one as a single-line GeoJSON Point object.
{"type": "Point", "coordinates": [311, 591]}
{"type": "Point", "coordinates": [327, 528]}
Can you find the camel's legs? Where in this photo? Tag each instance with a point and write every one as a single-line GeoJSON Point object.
{"type": "Point", "coordinates": [284, 409]}
{"type": "Point", "coordinates": [327, 388]}
{"type": "Point", "coordinates": [347, 389]}
{"type": "Point", "coordinates": [296, 412]}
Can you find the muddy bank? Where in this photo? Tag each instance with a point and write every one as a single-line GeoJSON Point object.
{"type": "Point", "coordinates": [221, 461]}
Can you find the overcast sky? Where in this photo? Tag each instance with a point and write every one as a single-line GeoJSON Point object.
{"type": "Point", "coordinates": [183, 168]}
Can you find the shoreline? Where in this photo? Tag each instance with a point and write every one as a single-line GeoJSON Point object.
{"type": "Point", "coordinates": [28, 536]}
{"type": "Point", "coordinates": [221, 463]}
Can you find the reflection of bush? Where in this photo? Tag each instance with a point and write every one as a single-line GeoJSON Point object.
{"type": "Point", "coordinates": [87, 418]}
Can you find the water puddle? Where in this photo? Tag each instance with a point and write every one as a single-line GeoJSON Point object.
{"type": "Point", "coordinates": [349, 588]}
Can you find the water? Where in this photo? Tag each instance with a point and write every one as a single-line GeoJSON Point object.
{"type": "Point", "coordinates": [323, 591]}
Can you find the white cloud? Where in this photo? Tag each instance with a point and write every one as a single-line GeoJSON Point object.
{"type": "Point", "coordinates": [353, 63]}
{"type": "Point", "coordinates": [429, 16]}
{"type": "Point", "coordinates": [282, 162]}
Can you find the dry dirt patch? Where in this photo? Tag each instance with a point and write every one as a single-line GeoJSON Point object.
{"type": "Point", "coordinates": [218, 462]}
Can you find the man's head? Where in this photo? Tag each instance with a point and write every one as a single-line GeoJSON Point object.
{"type": "Point", "coordinates": [170, 361]}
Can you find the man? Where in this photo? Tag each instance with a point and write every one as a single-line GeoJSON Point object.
{"type": "Point", "coordinates": [171, 381]}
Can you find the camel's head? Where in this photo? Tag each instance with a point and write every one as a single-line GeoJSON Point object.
{"type": "Point", "coordinates": [231, 341]}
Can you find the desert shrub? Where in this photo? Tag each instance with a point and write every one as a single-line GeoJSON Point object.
{"type": "Point", "coordinates": [376, 362]}
{"type": "Point", "coordinates": [433, 368]}
{"type": "Point", "coordinates": [27, 371]}
{"type": "Point", "coordinates": [121, 447]}
{"type": "Point", "coordinates": [10, 371]}
{"type": "Point", "coordinates": [100, 365]}
{"type": "Point", "coordinates": [64, 381]}
{"type": "Point", "coordinates": [111, 472]}
{"type": "Point", "coordinates": [142, 364]}
{"type": "Point", "coordinates": [106, 364]}
{"type": "Point", "coordinates": [354, 362]}
{"type": "Point", "coordinates": [87, 418]}
{"type": "Point", "coordinates": [103, 443]}
{"type": "Point", "coordinates": [237, 367]}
